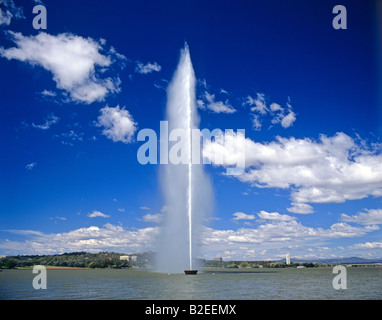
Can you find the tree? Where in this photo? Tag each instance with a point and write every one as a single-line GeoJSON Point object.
{"type": "Point", "coordinates": [232, 265]}
{"type": "Point", "coordinates": [9, 264]}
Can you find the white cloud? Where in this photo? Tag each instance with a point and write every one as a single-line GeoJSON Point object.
{"type": "Point", "coordinates": [207, 101]}
{"type": "Point", "coordinates": [331, 170]}
{"type": "Point", "coordinates": [48, 93]}
{"type": "Point", "coordinates": [243, 216]}
{"type": "Point", "coordinates": [275, 107]}
{"type": "Point", "coordinates": [300, 208]}
{"type": "Point", "coordinates": [275, 238]}
{"type": "Point", "coordinates": [118, 124]}
{"type": "Point", "coordinates": [30, 166]}
{"type": "Point", "coordinates": [279, 115]}
{"type": "Point", "coordinates": [367, 245]}
{"type": "Point", "coordinates": [215, 106]}
{"type": "Point", "coordinates": [285, 116]}
{"type": "Point", "coordinates": [25, 232]}
{"type": "Point", "coordinates": [8, 11]}
{"type": "Point", "coordinates": [97, 213]}
{"type": "Point", "coordinates": [155, 218]}
{"type": "Point", "coordinates": [57, 218]}
{"type": "Point", "coordinates": [369, 217]}
{"type": "Point", "coordinates": [288, 120]}
{"type": "Point", "coordinates": [268, 240]}
{"type": "Point", "coordinates": [257, 104]}
{"type": "Point", "coordinates": [76, 63]}
{"type": "Point", "coordinates": [161, 84]}
{"type": "Point", "coordinates": [275, 216]}
{"type": "Point", "coordinates": [147, 68]}
{"type": "Point", "coordinates": [256, 123]}
{"type": "Point", "coordinates": [70, 137]}
{"type": "Point", "coordinates": [92, 239]}
{"type": "Point", "coordinates": [49, 121]}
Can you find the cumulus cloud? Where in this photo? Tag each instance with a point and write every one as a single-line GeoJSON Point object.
{"type": "Point", "coordinates": [330, 170]}
{"type": "Point", "coordinates": [367, 245]}
{"type": "Point", "coordinates": [288, 119]}
{"type": "Point", "coordinates": [155, 218]}
{"type": "Point", "coordinates": [300, 208]}
{"type": "Point", "coordinates": [283, 230]}
{"type": "Point", "coordinates": [256, 123]}
{"type": "Point", "coordinates": [257, 104]}
{"type": "Point", "coordinates": [209, 103]}
{"type": "Point", "coordinates": [91, 239]}
{"type": "Point", "coordinates": [275, 234]}
{"type": "Point", "coordinates": [285, 116]}
{"type": "Point", "coordinates": [274, 238]}
{"type": "Point", "coordinates": [243, 216]}
{"type": "Point", "coordinates": [97, 213]}
{"type": "Point", "coordinates": [275, 216]}
{"type": "Point", "coordinates": [8, 11]}
{"type": "Point", "coordinates": [118, 124]}
{"type": "Point", "coordinates": [76, 63]}
{"type": "Point", "coordinates": [147, 68]}
{"type": "Point", "coordinates": [368, 217]}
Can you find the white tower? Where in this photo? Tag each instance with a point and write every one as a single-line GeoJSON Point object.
{"type": "Point", "coordinates": [287, 258]}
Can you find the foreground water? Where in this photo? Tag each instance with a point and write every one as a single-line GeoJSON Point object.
{"type": "Point", "coordinates": [226, 284]}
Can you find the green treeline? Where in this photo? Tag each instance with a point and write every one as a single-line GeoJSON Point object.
{"type": "Point", "coordinates": [259, 264]}
{"type": "Point", "coordinates": [112, 260]}
{"type": "Point", "coordinates": [73, 260]}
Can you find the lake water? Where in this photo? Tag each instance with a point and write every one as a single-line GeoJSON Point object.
{"type": "Point", "coordinates": [226, 284]}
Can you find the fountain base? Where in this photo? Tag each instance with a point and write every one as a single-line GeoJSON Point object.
{"type": "Point", "coordinates": [190, 272]}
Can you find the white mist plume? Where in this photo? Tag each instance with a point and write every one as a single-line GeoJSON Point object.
{"type": "Point", "coordinates": [186, 189]}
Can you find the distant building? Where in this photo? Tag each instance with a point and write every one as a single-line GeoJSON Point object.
{"type": "Point", "coordinates": [287, 258]}
{"type": "Point", "coordinates": [2, 256]}
{"type": "Point", "coordinates": [130, 258]}
{"type": "Point", "coordinates": [220, 259]}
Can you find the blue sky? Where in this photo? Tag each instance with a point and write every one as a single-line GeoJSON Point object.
{"type": "Point", "coordinates": [74, 96]}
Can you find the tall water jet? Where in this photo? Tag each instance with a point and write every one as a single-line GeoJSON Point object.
{"type": "Point", "coordinates": [186, 189]}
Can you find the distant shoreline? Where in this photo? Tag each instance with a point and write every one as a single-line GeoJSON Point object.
{"type": "Point", "coordinates": [202, 270]}
{"type": "Point", "coordinates": [69, 268]}
{"type": "Point", "coordinates": [54, 268]}
{"type": "Point", "coordinates": [114, 260]}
